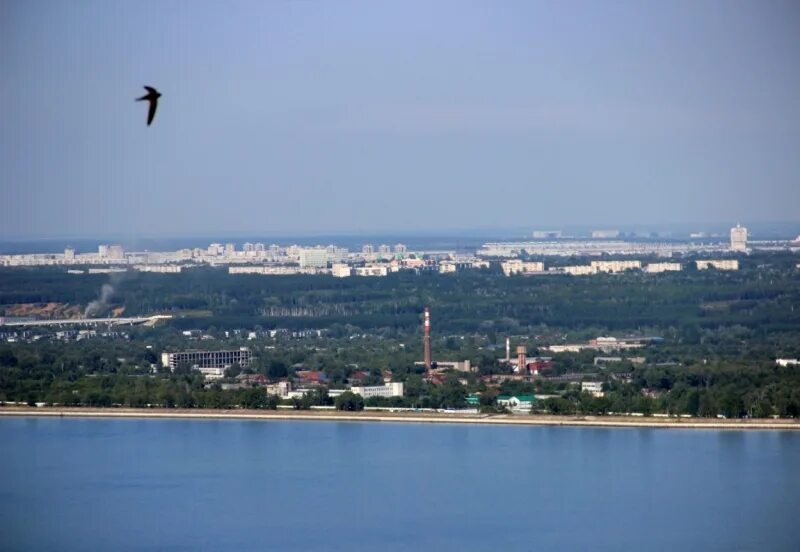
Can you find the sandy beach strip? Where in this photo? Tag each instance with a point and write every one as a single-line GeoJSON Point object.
{"type": "Point", "coordinates": [408, 417]}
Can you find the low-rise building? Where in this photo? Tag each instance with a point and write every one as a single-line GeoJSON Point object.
{"type": "Point", "coordinates": [593, 387]}
{"type": "Point", "coordinates": [447, 267]}
{"type": "Point", "coordinates": [372, 270]}
{"type": "Point", "coordinates": [518, 404]}
{"type": "Point", "coordinates": [161, 268]}
{"type": "Point", "coordinates": [340, 270]}
{"type": "Point", "coordinates": [787, 362]}
{"type": "Point", "coordinates": [281, 389]}
{"type": "Point", "coordinates": [393, 389]}
{"type": "Point", "coordinates": [458, 366]}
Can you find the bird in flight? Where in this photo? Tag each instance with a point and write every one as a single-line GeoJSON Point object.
{"type": "Point", "coordinates": [152, 96]}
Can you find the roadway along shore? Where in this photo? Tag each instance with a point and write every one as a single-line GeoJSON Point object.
{"type": "Point", "coordinates": [406, 417]}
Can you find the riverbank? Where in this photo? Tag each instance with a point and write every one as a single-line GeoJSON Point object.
{"type": "Point", "coordinates": [406, 417]}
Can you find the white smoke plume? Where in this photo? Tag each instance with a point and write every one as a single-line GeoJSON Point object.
{"type": "Point", "coordinates": [100, 305]}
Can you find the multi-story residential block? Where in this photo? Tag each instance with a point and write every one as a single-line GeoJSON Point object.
{"type": "Point", "coordinates": [616, 266]}
{"type": "Point", "coordinates": [516, 266]}
{"type": "Point", "coordinates": [719, 264]}
{"type": "Point", "coordinates": [212, 364]}
{"type": "Point", "coordinates": [739, 238]}
{"type": "Point", "coordinates": [654, 268]}
{"type": "Point", "coordinates": [313, 257]}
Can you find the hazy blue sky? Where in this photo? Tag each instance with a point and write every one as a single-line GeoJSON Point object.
{"type": "Point", "coordinates": [306, 117]}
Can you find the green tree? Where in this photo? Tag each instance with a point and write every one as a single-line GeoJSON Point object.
{"type": "Point", "coordinates": [349, 401]}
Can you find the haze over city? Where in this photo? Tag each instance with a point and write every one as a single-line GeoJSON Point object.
{"type": "Point", "coordinates": [369, 117]}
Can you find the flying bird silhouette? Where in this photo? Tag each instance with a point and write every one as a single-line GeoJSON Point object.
{"type": "Point", "coordinates": [152, 96]}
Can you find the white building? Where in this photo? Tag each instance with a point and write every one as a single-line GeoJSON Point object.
{"type": "Point", "coordinates": [655, 268]}
{"type": "Point", "coordinates": [719, 264]}
{"type": "Point", "coordinates": [518, 404]}
{"type": "Point", "coordinates": [739, 238]}
{"type": "Point", "coordinates": [230, 249]}
{"type": "Point", "coordinates": [546, 234]}
{"type": "Point", "coordinates": [394, 389]}
{"type": "Point", "coordinates": [372, 270]}
{"type": "Point", "coordinates": [341, 270]}
{"type": "Point", "coordinates": [516, 266]}
{"type": "Point", "coordinates": [400, 248]}
{"type": "Point", "coordinates": [281, 389]}
{"type": "Point", "coordinates": [605, 234]}
{"type": "Point", "coordinates": [384, 249]}
{"type": "Point", "coordinates": [593, 387]}
{"type": "Point", "coordinates": [447, 267]}
{"type": "Point", "coordinates": [212, 364]}
{"type": "Point", "coordinates": [163, 269]}
{"type": "Point", "coordinates": [367, 249]}
{"type": "Point", "coordinates": [787, 362]}
{"type": "Point", "coordinates": [579, 270]}
{"type": "Point", "coordinates": [616, 266]}
{"type": "Point", "coordinates": [313, 257]}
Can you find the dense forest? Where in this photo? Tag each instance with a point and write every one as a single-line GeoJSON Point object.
{"type": "Point", "coordinates": [722, 332]}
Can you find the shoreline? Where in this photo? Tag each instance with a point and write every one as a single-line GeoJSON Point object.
{"type": "Point", "coordinates": [404, 417]}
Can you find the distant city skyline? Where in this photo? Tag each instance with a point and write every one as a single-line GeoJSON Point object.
{"type": "Point", "coordinates": [396, 117]}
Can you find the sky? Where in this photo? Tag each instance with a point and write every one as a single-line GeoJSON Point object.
{"type": "Point", "coordinates": [311, 117]}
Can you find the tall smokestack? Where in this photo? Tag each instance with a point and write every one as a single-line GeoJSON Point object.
{"type": "Point", "coordinates": [508, 350]}
{"type": "Point", "coordinates": [522, 359]}
{"type": "Point", "coordinates": [426, 339]}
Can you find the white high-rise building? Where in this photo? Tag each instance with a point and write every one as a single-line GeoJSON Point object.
{"type": "Point", "coordinates": [247, 247]}
{"type": "Point", "coordinates": [367, 249]}
{"type": "Point", "coordinates": [313, 257]}
{"type": "Point", "coordinates": [116, 252]}
{"type": "Point", "coordinates": [384, 249]}
{"type": "Point", "coordinates": [400, 248]}
{"type": "Point", "coordinates": [739, 238]}
{"type": "Point", "coordinates": [230, 249]}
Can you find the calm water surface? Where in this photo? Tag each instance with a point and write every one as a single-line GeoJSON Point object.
{"type": "Point", "coordinates": [73, 484]}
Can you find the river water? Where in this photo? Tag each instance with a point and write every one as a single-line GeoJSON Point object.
{"type": "Point", "coordinates": [128, 484]}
